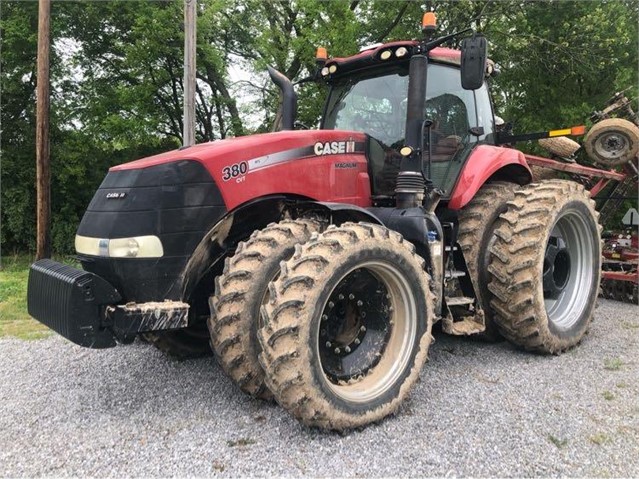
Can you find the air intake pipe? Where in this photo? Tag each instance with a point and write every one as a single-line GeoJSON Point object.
{"type": "Point", "coordinates": [289, 98]}
{"type": "Point", "coordinates": [410, 180]}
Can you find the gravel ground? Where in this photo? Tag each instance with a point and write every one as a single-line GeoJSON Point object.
{"type": "Point", "coordinates": [479, 410]}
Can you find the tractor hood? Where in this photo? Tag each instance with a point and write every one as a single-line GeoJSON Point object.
{"type": "Point", "coordinates": [219, 153]}
{"type": "Point", "coordinates": [257, 165]}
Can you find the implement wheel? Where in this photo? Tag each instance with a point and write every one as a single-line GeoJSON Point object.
{"type": "Point", "coordinates": [612, 142]}
{"type": "Point", "coordinates": [477, 222]}
{"type": "Point", "coordinates": [240, 292]}
{"type": "Point", "coordinates": [561, 146]}
{"type": "Point", "coordinates": [545, 265]}
{"type": "Point", "coordinates": [347, 326]}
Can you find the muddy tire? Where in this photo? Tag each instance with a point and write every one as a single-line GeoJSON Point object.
{"type": "Point", "coordinates": [477, 223]}
{"type": "Point", "coordinates": [539, 173]}
{"type": "Point", "coordinates": [612, 142]}
{"type": "Point", "coordinates": [560, 146]}
{"type": "Point", "coordinates": [189, 343]}
{"type": "Point", "coordinates": [545, 266]}
{"type": "Point", "coordinates": [239, 293]}
{"type": "Point", "coordinates": [347, 327]}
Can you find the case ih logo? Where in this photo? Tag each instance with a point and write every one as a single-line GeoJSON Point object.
{"type": "Point", "coordinates": [334, 147]}
{"type": "Point", "coordinates": [115, 196]}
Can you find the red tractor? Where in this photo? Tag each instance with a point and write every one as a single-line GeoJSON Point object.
{"type": "Point", "coordinates": [317, 261]}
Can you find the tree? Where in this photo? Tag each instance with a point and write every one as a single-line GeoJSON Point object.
{"type": "Point", "coordinates": [116, 73]}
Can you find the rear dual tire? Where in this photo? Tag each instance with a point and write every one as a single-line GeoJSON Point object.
{"type": "Point", "coordinates": [477, 223]}
{"type": "Point", "coordinates": [545, 266]}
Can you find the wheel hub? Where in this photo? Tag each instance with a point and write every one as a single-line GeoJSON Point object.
{"type": "Point", "coordinates": [556, 274]}
{"type": "Point", "coordinates": [355, 328]}
{"type": "Point", "coordinates": [611, 145]}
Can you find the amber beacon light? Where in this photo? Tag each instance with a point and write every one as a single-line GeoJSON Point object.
{"type": "Point", "coordinates": [321, 53]}
{"type": "Point", "coordinates": [429, 21]}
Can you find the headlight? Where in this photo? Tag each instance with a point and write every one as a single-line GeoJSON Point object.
{"type": "Point", "coordinates": [401, 52]}
{"type": "Point", "coordinates": [124, 248]}
{"type": "Point", "coordinates": [136, 247]}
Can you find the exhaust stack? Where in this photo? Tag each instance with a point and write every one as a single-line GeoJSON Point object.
{"type": "Point", "coordinates": [289, 98]}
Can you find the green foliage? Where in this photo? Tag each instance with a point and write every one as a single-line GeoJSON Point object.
{"type": "Point", "coordinates": [117, 76]}
{"type": "Point", "coordinates": [557, 70]}
{"type": "Point", "coordinates": [14, 319]}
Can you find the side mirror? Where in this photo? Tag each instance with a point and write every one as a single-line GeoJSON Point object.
{"type": "Point", "coordinates": [474, 51]}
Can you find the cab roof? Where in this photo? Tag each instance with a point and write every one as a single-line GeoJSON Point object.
{"type": "Point", "coordinates": [373, 57]}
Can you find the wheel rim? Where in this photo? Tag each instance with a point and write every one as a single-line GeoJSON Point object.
{"type": "Point", "coordinates": [568, 270]}
{"type": "Point", "coordinates": [611, 146]}
{"type": "Point", "coordinates": [367, 332]}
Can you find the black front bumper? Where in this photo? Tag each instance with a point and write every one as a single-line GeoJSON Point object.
{"type": "Point", "coordinates": [71, 302]}
{"type": "Point", "coordinates": [83, 307]}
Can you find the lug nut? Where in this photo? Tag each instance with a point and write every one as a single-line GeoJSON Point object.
{"type": "Point", "coordinates": [337, 351]}
{"type": "Point", "coordinates": [328, 344]}
{"type": "Point", "coordinates": [351, 296]}
{"type": "Point", "coordinates": [357, 341]}
{"type": "Point", "coordinates": [360, 302]}
{"type": "Point", "coordinates": [341, 296]}
{"type": "Point", "coordinates": [331, 304]}
{"type": "Point", "coordinates": [324, 317]}
{"type": "Point", "coordinates": [362, 329]}
{"type": "Point", "coordinates": [347, 349]}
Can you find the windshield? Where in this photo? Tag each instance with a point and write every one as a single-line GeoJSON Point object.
{"type": "Point", "coordinates": [375, 103]}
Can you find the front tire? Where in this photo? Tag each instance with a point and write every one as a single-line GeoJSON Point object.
{"type": "Point", "coordinates": [239, 293]}
{"type": "Point", "coordinates": [347, 327]}
{"type": "Point", "coordinates": [182, 344]}
{"type": "Point", "coordinates": [545, 266]}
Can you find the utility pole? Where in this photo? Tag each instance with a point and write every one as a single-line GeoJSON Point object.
{"type": "Point", "coordinates": [43, 170]}
{"type": "Point", "coordinates": [188, 128]}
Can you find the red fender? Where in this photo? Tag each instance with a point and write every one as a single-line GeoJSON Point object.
{"type": "Point", "coordinates": [485, 162]}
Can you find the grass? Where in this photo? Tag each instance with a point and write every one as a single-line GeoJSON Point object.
{"type": "Point", "coordinates": [608, 396]}
{"type": "Point", "coordinates": [557, 441]}
{"type": "Point", "coordinates": [14, 319]}
{"type": "Point", "coordinates": [599, 439]}
{"type": "Point", "coordinates": [613, 364]}
{"type": "Point", "coordinates": [243, 442]}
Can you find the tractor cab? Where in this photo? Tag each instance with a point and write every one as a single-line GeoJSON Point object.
{"type": "Point", "coordinates": [424, 108]}
{"type": "Point", "coordinates": [374, 100]}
